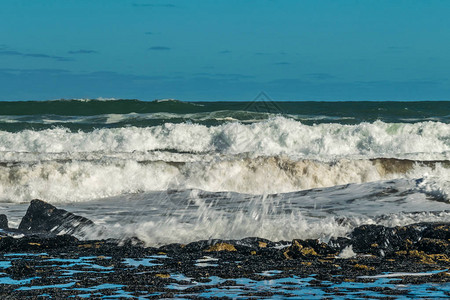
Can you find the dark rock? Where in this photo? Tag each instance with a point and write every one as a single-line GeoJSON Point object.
{"type": "Point", "coordinates": [3, 221]}
{"type": "Point", "coordinates": [307, 249]}
{"type": "Point", "coordinates": [378, 239]}
{"type": "Point", "coordinates": [46, 218]}
{"type": "Point", "coordinates": [132, 242]}
{"type": "Point", "coordinates": [434, 246]}
{"type": "Point", "coordinates": [213, 245]}
{"type": "Point", "coordinates": [36, 242]}
{"type": "Point", "coordinates": [339, 243]}
{"type": "Point", "coordinates": [6, 243]}
{"type": "Point", "coordinates": [434, 230]}
{"type": "Point", "coordinates": [20, 269]}
{"type": "Point", "coordinates": [381, 240]}
{"type": "Point", "coordinates": [256, 242]}
{"type": "Point", "coordinates": [372, 238]}
{"type": "Point", "coordinates": [174, 248]}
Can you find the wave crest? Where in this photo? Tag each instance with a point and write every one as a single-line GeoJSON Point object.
{"type": "Point", "coordinates": [73, 180]}
{"type": "Point", "coordinates": [276, 136]}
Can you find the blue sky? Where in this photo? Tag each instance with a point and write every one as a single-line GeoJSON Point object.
{"type": "Point", "coordinates": [225, 49]}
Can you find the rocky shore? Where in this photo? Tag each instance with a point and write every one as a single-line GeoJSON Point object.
{"type": "Point", "coordinates": [42, 257]}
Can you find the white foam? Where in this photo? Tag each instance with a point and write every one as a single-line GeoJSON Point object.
{"type": "Point", "coordinates": [274, 156]}
{"type": "Point", "coordinates": [81, 180]}
{"type": "Point", "coordinates": [276, 136]}
{"type": "Point", "coordinates": [188, 215]}
{"type": "Point", "coordinates": [128, 165]}
{"type": "Point", "coordinates": [195, 215]}
{"type": "Point", "coordinates": [210, 224]}
{"type": "Point", "coordinates": [88, 99]}
{"type": "Point", "coordinates": [347, 252]}
{"type": "Point", "coordinates": [404, 274]}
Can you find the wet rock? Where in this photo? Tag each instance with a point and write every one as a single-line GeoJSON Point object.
{"type": "Point", "coordinates": [3, 221]}
{"type": "Point", "coordinates": [128, 266]}
{"type": "Point", "coordinates": [44, 217]}
{"type": "Point", "coordinates": [173, 248]}
{"type": "Point", "coordinates": [434, 230]}
{"type": "Point", "coordinates": [381, 240]}
{"type": "Point", "coordinates": [424, 257]}
{"type": "Point", "coordinates": [214, 245]}
{"type": "Point", "coordinates": [6, 243]}
{"type": "Point", "coordinates": [20, 269]}
{"type": "Point", "coordinates": [256, 242]}
{"type": "Point", "coordinates": [244, 246]}
{"type": "Point", "coordinates": [371, 238]}
{"type": "Point", "coordinates": [37, 242]}
{"type": "Point", "coordinates": [221, 247]}
{"type": "Point", "coordinates": [339, 243]}
{"type": "Point", "coordinates": [198, 245]}
{"type": "Point", "coordinates": [307, 249]}
{"type": "Point", "coordinates": [434, 246]}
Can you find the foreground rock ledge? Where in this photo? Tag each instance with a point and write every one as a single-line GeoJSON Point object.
{"type": "Point", "coordinates": [415, 248]}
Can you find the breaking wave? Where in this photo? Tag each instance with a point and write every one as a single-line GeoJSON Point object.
{"type": "Point", "coordinates": [171, 171]}
{"type": "Point", "coordinates": [82, 180]}
{"type": "Point", "coordinates": [276, 136]}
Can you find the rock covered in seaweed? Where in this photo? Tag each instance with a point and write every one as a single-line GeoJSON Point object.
{"type": "Point", "coordinates": [307, 249]}
{"type": "Point", "coordinates": [387, 241]}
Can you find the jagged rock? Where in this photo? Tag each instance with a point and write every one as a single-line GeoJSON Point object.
{"type": "Point", "coordinates": [20, 269]}
{"type": "Point", "coordinates": [46, 218]}
{"type": "Point", "coordinates": [256, 242]}
{"type": "Point", "coordinates": [372, 238]}
{"type": "Point", "coordinates": [434, 230]}
{"type": "Point", "coordinates": [339, 243]}
{"type": "Point", "coordinates": [381, 240]}
{"type": "Point", "coordinates": [423, 257]}
{"type": "Point", "coordinates": [434, 246]}
{"type": "Point", "coordinates": [3, 222]}
{"type": "Point", "coordinates": [37, 242]}
{"type": "Point", "coordinates": [174, 248]}
{"type": "Point", "coordinates": [204, 245]}
{"type": "Point", "coordinates": [377, 239]}
{"type": "Point", "coordinates": [307, 249]}
{"type": "Point", "coordinates": [221, 247]}
{"type": "Point", "coordinates": [6, 243]}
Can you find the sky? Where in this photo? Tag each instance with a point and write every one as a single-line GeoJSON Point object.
{"type": "Point", "coordinates": [225, 49]}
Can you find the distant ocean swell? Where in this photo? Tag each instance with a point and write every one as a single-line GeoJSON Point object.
{"type": "Point", "coordinates": [86, 114]}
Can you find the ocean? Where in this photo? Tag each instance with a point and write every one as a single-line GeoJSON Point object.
{"type": "Point", "coordinates": [168, 171]}
{"type": "Point", "coordinates": [194, 200]}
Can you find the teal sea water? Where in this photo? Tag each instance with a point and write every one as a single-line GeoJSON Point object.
{"type": "Point", "coordinates": [90, 114]}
